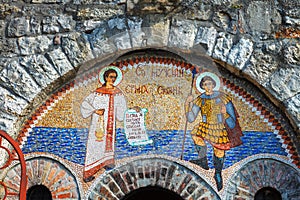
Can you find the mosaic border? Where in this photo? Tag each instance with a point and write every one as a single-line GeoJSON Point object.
{"type": "Point", "coordinates": [257, 107]}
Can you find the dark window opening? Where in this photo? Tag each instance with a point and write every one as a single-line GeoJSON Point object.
{"type": "Point", "coordinates": [267, 193]}
{"type": "Point", "coordinates": [38, 192]}
{"type": "Point", "coordinates": [153, 193]}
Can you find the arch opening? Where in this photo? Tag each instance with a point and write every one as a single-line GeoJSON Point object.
{"type": "Point", "coordinates": [267, 193]}
{"type": "Point", "coordinates": [152, 192]}
{"type": "Point", "coordinates": [38, 192]}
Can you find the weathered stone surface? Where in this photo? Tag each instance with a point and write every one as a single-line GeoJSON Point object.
{"type": "Point", "coordinates": [60, 23]}
{"type": "Point", "coordinates": [77, 48]}
{"type": "Point", "coordinates": [182, 34]}
{"type": "Point", "coordinates": [36, 10]}
{"type": "Point", "coordinates": [11, 103]}
{"type": "Point", "coordinates": [50, 1]}
{"type": "Point", "coordinates": [240, 53]}
{"type": "Point", "coordinates": [207, 37]}
{"type": "Point", "coordinates": [7, 122]}
{"type": "Point", "coordinates": [60, 61]}
{"type": "Point", "coordinates": [222, 20]}
{"type": "Point", "coordinates": [24, 26]}
{"type": "Point", "coordinates": [35, 25]}
{"type": "Point", "coordinates": [93, 2]}
{"type": "Point", "coordinates": [289, 4]}
{"type": "Point", "coordinates": [100, 43]}
{"type": "Point", "coordinates": [100, 12]}
{"type": "Point", "coordinates": [14, 77]}
{"type": "Point", "coordinates": [292, 21]}
{"type": "Point", "coordinates": [40, 69]}
{"type": "Point", "coordinates": [223, 45]}
{"type": "Point", "coordinates": [156, 31]}
{"type": "Point", "coordinates": [293, 12]}
{"type": "Point", "coordinates": [293, 108]}
{"type": "Point", "coordinates": [137, 35]}
{"type": "Point", "coordinates": [88, 25]}
{"type": "Point", "coordinates": [7, 9]}
{"type": "Point", "coordinates": [284, 83]}
{"type": "Point", "coordinates": [199, 10]}
{"type": "Point", "coordinates": [292, 54]}
{"type": "Point", "coordinates": [18, 27]}
{"type": "Point", "coordinates": [2, 28]}
{"type": "Point", "coordinates": [34, 45]}
{"type": "Point", "coordinates": [119, 33]}
{"type": "Point", "coordinates": [262, 16]}
{"type": "Point", "coordinates": [9, 47]}
{"type": "Point", "coordinates": [151, 6]}
{"type": "Point", "coordinates": [272, 47]}
{"type": "Point", "coordinates": [261, 66]}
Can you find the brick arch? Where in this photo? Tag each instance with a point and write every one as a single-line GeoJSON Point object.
{"type": "Point", "coordinates": [48, 172]}
{"type": "Point", "coordinates": [256, 174]}
{"type": "Point", "coordinates": [151, 171]}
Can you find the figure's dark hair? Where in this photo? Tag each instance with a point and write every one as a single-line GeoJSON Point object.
{"type": "Point", "coordinates": [106, 74]}
{"type": "Point", "coordinates": [207, 78]}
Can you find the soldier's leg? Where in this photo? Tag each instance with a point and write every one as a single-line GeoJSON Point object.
{"type": "Point", "coordinates": [201, 148]}
{"type": "Point", "coordinates": [219, 157]}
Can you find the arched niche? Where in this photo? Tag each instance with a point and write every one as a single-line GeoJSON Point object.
{"type": "Point", "coordinates": [151, 171]}
{"type": "Point", "coordinates": [44, 173]}
{"type": "Point", "coordinates": [59, 128]}
{"type": "Point", "coordinates": [266, 174]}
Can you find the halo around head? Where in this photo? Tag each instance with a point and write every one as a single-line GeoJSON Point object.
{"type": "Point", "coordinates": [212, 75]}
{"type": "Point", "coordinates": [119, 75]}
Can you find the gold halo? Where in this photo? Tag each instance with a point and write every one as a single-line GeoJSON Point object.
{"type": "Point", "coordinates": [213, 76]}
{"type": "Point", "coordinates": [119, 75]}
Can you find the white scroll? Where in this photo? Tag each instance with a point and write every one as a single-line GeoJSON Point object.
{"type": "Point", "coordinates": [135, 127]}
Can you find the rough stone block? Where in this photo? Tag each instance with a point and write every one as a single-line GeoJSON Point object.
{"type": "Point", "coordinates": [292, 54]}
{"type": "Point", "coordinates": [77, 48]}
{"type": "Point", "coordinates": [285, 82]}
{"type": "Point", "coordinates": [293, 108]}
{"type": "Point", "coordinates": [11, 103]}
{"type": "Point", "coordinates": [88, 25]}
{"type": "Point", "coordinates": [199, 10]}
{"type": "Point", "coordinates": [223, 45]}
{"type": "Point", "coordinates": [18, 80]}
{"type": "Point", "coordinates": [240, 53]}
{"type": "Point", "coordinates": [18, 27]}
{"type": "Point", "coordinates": [34, 45]}
{"type": "Point", "coordinates": [100, 12]}
{"type": "Point", "coordinates": [40, 69]}
{"type": "Point", "coordinates": [151, 6]}
{"type": "Point", "coordinates": [100, 43]}
{"type": "Point", "coordinates": [9, 47]}
{"type": "Point", "coordinates": [182, 34]}
{"type": "Point", "coordinates": [60, 61]}
{"type": "Point", "coordinates": [119, 33]}
{"type": "Point", "coordinates": [206, 36]}
{"type": "Point", "coordinates": [261, 66]}
{"type": "Point", "coordinates": [55, 24]}
{"type": "Point", "coordinates": [156, 31]}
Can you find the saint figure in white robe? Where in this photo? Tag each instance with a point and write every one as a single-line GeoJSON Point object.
{"type": "Point", "coordinates": [105, 105]}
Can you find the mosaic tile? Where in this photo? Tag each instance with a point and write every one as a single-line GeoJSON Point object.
{"type": "Point", "coordinates": [57, 127]}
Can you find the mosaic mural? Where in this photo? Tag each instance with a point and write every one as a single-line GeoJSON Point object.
{"type": "Point", "coordinates": [153, 106]}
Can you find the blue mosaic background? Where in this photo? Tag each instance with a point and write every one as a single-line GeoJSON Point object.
{"type": "Point", "coordinates": [70, 144]}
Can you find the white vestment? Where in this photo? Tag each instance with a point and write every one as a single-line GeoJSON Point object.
{"type": "Point", "coordinates": [100, 149]}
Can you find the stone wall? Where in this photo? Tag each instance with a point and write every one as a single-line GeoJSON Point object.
{"type": "Point", "coordinates": [46, 43]}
